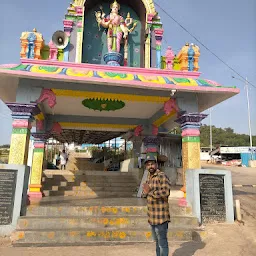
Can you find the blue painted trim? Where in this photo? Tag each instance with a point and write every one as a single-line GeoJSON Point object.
{"type": "Point", "coordinates": [199, 83]}
{"type": "Point", "coordinates": [203, 84]}
{"type": "Point", "coordinates": [23, 117]}
{"type": "Point", "coordinates": [136, 78]}
{"type": "Point", "coordinates": [158, 59]}
{"type": "Point", "coordinates": [63, 72]}
{"type": "Point", "coordinates": [167, 80]}
{"type": "Point", "coordinates": [192, 125]}
{"type": "Point", "coordinates": [66, 53]}
{"type": "Point", "coordinates": [95, 74]}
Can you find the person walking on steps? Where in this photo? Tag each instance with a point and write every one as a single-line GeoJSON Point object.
{"type": "Point", "coordinates": [63, 160]}
{"type": "Point", "coordinates": [156, 190]}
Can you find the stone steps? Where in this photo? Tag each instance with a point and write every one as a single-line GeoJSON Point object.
{"type": "Point", "coordinates": [89, 183]}
{"type": "Point", "coordinates": [86, 236]}
{"type": "Point", "coordinates": [100, 174]}
{"type": "Point", "coordinates": [92, 188]}
{"type": "Point", "coordinates": [91, 222]}
{"type": "Point", "coordinates": [103, 210]}
{"type": "Point", "coordinates": [68, 216]}
{"type": "Point", "coordinates": [86, 179]}
{"type": "Point", "coordinates": [77, 221]}
{"type": "Point", "coordinates": [90, 194]}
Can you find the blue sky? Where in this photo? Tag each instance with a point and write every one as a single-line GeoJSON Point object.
{"type": "Point", "coordinates": [227, 27]}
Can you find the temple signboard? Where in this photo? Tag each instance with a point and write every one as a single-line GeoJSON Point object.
{"type": "Point", "coordinates": [212, 198]}
{"type": "Point", "coordinates": [8, 179]}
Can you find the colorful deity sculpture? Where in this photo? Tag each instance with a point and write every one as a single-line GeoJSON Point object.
{"type": "Point", "coordinates": [188, 57]}
{"type": "Point", "coordinates": [115, 25]}
{"type": "Point", "coordinates": [31, 45]}
{"type": "Point", "coordinates": [118, 28]}
{"type": "Point", "coordinates": [169, 56]}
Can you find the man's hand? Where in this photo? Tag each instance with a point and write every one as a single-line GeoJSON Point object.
{"type": "Point", "coordinates": [146, 188]}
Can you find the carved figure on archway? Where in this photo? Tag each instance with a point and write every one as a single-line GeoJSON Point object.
{"type": "Point", "coordinates": [118, 28]}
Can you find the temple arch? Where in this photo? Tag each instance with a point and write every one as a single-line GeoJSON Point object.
{"type": "Point", "coordinates": [143, 8]}
{"type": "Point", "coordinates": [148, 4]}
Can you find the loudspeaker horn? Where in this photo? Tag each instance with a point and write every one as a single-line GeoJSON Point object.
{"type": "Point", "coordinates": [60, 39]}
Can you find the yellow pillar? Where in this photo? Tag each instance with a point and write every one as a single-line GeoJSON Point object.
{"type": "Point", "coordinates": [20, 142]}
{"type": "Point", "coordinates": [190, 126]}
{"type": "Point", "coordinates": [191, 153]}
{"type": "Point", "coordinates": [35, 184]}
{"type": "Point", "coordinates": [22, 115]}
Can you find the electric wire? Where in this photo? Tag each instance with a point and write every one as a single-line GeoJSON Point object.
{"type": "Point", "coordinates": [236, 72]}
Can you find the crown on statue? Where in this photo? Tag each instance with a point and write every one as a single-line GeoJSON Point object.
{"type": "Point", "coordinates": [115, 3]}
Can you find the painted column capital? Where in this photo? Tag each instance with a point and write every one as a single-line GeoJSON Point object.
{"type": "Point", "coordinates": [21, 123]}
{"type": "Point", "coordinates": [151, 145]}
{"type": "Point", "coordinates": [79, 10]}
{"type": "Point", "coordinates": [151, 140]}
{"type": "Point", "coordinates": [68, 23]}
{"type": "Point", "coordinates": [23, 110]}
{"type": "Point", "coordinates": [190, 120]}
{"type": "Point", "coordinates": [68, 26]}
{"type": "Point", "coordinates": [40, 137]}
{"type": "Point", "coordinates": [159, 34]}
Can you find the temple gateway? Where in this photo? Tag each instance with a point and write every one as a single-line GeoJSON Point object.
{"type": "Point", "coordinates": [104, 76]}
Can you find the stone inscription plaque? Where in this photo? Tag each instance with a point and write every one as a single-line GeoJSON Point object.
{"type": "Point", "coordinates": [8, 180]}
{"type": "Point", "coordinates": [212, 198]}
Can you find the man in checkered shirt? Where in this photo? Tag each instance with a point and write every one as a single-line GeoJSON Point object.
{"type": "Point", "coordinates": [157, 190]}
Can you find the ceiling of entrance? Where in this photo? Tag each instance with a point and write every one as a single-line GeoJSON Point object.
{"type": "Point", "coordinates": [84, 136]}
{"type": "Point", "coordinates": [73, 106]}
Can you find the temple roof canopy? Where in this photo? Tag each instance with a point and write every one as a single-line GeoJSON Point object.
{"type": "Point", "coordinates": [68, 78]}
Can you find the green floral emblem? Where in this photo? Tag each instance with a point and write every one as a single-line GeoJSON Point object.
{"type": "Point", "coordinates": [181, 80]}
{"type": "Point", "coordinates": [103, 104]}
{"type": "Point", "coordinates": [112, 75]}
{"type": "Point", "coordinates": [48, 69]}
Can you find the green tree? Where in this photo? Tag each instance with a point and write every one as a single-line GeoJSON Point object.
{"type": "Point", "coordinates": [220, 136]}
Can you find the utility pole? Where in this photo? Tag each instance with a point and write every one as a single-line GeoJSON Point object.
{"type": "Point", "coordinates": [248, 108]}
{"type": "Point", "coordinates": [249, 114]}
{"type": "Point", "coordinates": [211, 129]}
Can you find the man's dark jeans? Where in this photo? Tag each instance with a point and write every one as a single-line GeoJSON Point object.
{"type": "Point", "coordinates": [159, 233]}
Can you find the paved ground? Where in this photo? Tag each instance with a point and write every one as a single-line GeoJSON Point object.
{"type": "Point", "coordinates": [240, 175]}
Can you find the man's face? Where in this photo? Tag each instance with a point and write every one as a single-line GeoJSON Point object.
{"type": "Point", "coordinates": [151, 166]}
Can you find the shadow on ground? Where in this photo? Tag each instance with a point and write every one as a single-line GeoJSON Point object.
{"type": "Point", "coordinates": [188, 248]}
